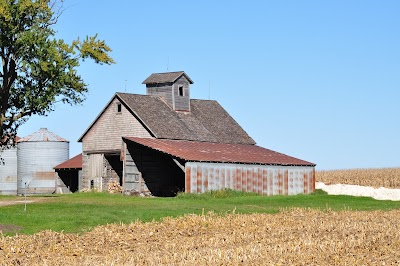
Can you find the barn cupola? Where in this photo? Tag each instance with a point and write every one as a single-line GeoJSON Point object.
{"type": "Point", "coordinates": [173, 87]}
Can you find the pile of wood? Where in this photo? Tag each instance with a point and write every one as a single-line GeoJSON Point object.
{"type": "Point", "coordinates": [87, 190]}
{"type": "Point", "coordinates": [114, 187]}
{"type": "Point", "coordinates": [138, 194]}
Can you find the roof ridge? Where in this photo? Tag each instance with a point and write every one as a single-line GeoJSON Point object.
{"type": "Point", "coordinates": [166, 77]}
{"type": "Point", "coordinates": [170, 72]}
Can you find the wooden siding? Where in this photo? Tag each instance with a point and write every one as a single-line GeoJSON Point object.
{"type": "Point", "coordinates": [84, 182]}
{"type": "Point", "coordinates": [164, 91]}
{"type": "Point", "coordinates": [170, 93]}
{"type": "Point", "coordinates": [95, 171]}
{"type": "Point", "coordinates": [106, 133]}
{"type": "Point", "coordinates": [262, 179]}
{"type": "Point", "coordinates": [101, 170]}
{"type": "Point", "coordinates": [132, 179]}
{"type": "Point", "coordinates": [181, 103]}
{"type": "Point", "coordinates": [105, 136]}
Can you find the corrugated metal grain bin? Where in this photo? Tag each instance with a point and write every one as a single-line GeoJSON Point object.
{"type": "Point", "coordinates": [37, 154]}
{"type": "Point", "coordinates": [8, 171]}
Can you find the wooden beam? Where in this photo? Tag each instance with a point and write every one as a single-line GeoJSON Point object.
{"type": "Point", "coordinates": [178, 164]}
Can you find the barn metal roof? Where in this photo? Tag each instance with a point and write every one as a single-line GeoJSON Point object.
{"type": "Point", "coordinates": [165, 77]}
{"type": "Point", "coordinates": [218, 152]}
{"type": "Point", "coordinates": [73, 163]}
{"type": "Point", "coordinates": [43, 135]}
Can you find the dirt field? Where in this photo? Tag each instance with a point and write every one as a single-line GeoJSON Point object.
{"type": "Point", "coordinates": [292, 237]}
{"type": "Point", "coordinates": [13, 202]}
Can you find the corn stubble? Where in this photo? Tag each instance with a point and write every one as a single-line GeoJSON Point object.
{"type": "Point", "coordinates": [291, 237]}
{"type": "Point", "coordinates": [379, 177]}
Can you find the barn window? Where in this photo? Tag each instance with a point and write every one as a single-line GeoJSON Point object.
{"type": "Point", "coordinates": [119, 108]}
{"type": "Point", "coordinates": [91, 184]}
{"type": "Point", "coordinates": [180, 90]}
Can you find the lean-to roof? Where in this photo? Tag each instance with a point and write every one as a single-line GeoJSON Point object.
{"type": "Point", "coordinates": [218, 152]}
{"type": "Point", "coordinates": [73, 163]}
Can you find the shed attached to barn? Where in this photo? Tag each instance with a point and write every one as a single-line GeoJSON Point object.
{"type": "Point", "coordinates": [165, 142]}
{"type": "Point", "coordinates": [205, 166]}
{"type": "Point", "coordinates": [68, 174]}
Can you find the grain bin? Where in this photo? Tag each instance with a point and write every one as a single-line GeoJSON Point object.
{"type": "Point", "coordinates": [37, 154]}
{"type": "Point", "coordinates": [8, 171]}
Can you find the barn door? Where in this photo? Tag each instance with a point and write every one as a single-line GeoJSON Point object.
{"type": "Point", "coordinates": [96, 169]}
{"type": "Point", "coordinates": [133, 182]}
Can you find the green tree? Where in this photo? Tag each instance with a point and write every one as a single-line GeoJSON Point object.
{"type": "Point", "coordinates": [39, 70]}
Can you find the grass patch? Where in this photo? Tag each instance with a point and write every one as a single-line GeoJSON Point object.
{"type": "Point", "coordinates": [217, 194]}
{"type": "Point", "coordinates": [81, 212]}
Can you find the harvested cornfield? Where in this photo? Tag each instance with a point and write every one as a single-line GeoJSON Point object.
{"type": "Point", "coordinates": [297, 236]}
{"type": "Point", "coordinates": [379, 177]}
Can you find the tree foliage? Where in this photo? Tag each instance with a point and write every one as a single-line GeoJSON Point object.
{"type": "Point", "coordinates": [39, 70]}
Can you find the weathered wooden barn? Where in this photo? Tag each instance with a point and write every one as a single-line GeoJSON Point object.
{"type": "Point", "coordinates": [164, 142]}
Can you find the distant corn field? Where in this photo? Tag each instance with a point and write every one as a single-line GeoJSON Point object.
{"type": "Point", "coordinates": [379, 177]}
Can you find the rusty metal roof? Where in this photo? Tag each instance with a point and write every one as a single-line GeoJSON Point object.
{"type": "Point", "coordinates": [73, 163]}
{"type": "Point", "coordinates": [218, 152]}
{"type": "Point", "coordinates": [17, 138]}
{"type": "Point", "coordinates": [165, 77]}
{"type": "Point", "coordinates": [43, 135]}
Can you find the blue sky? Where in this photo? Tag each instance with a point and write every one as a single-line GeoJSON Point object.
{"type": "Point", "coordinates": [317, 80]}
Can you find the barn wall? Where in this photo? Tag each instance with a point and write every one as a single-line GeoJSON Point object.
{"type": "Point", "coordinates": [105, 136]}
{"type": "Point", "coordinates": [133, 182]}
{"type": "Point", "coordinates": [262, 179]}
{"type": "Point", "coordinates": [84, 181]}
{"type": "Point", "coordinates": [170, 93]}
{"type": "Point", "coordinates": [181, 103]}
{"type": "Point", "coordinates": [106, 133]}
{"type": "Point", "coordinates": [163, 90]}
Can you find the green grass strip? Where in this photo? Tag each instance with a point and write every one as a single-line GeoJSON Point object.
{"type": "Point", "coordinates": [81, 212]}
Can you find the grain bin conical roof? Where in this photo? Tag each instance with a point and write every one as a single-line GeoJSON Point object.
{"type": "Point", "coordinates": [43, 135]}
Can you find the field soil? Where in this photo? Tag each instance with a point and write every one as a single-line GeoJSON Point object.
{"type": "Point", "coordinates": [291, 237]}
{"type": "Point", "coordinates": [21, 200]}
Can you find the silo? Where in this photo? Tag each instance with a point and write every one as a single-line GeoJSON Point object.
{"type": "Point", "coordinates": [37, 154]}
{"type": "Point", "coordinates": [8, 171]}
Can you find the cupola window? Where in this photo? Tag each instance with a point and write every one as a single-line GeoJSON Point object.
{"type": "Point", "coordinates": [180, 88]}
